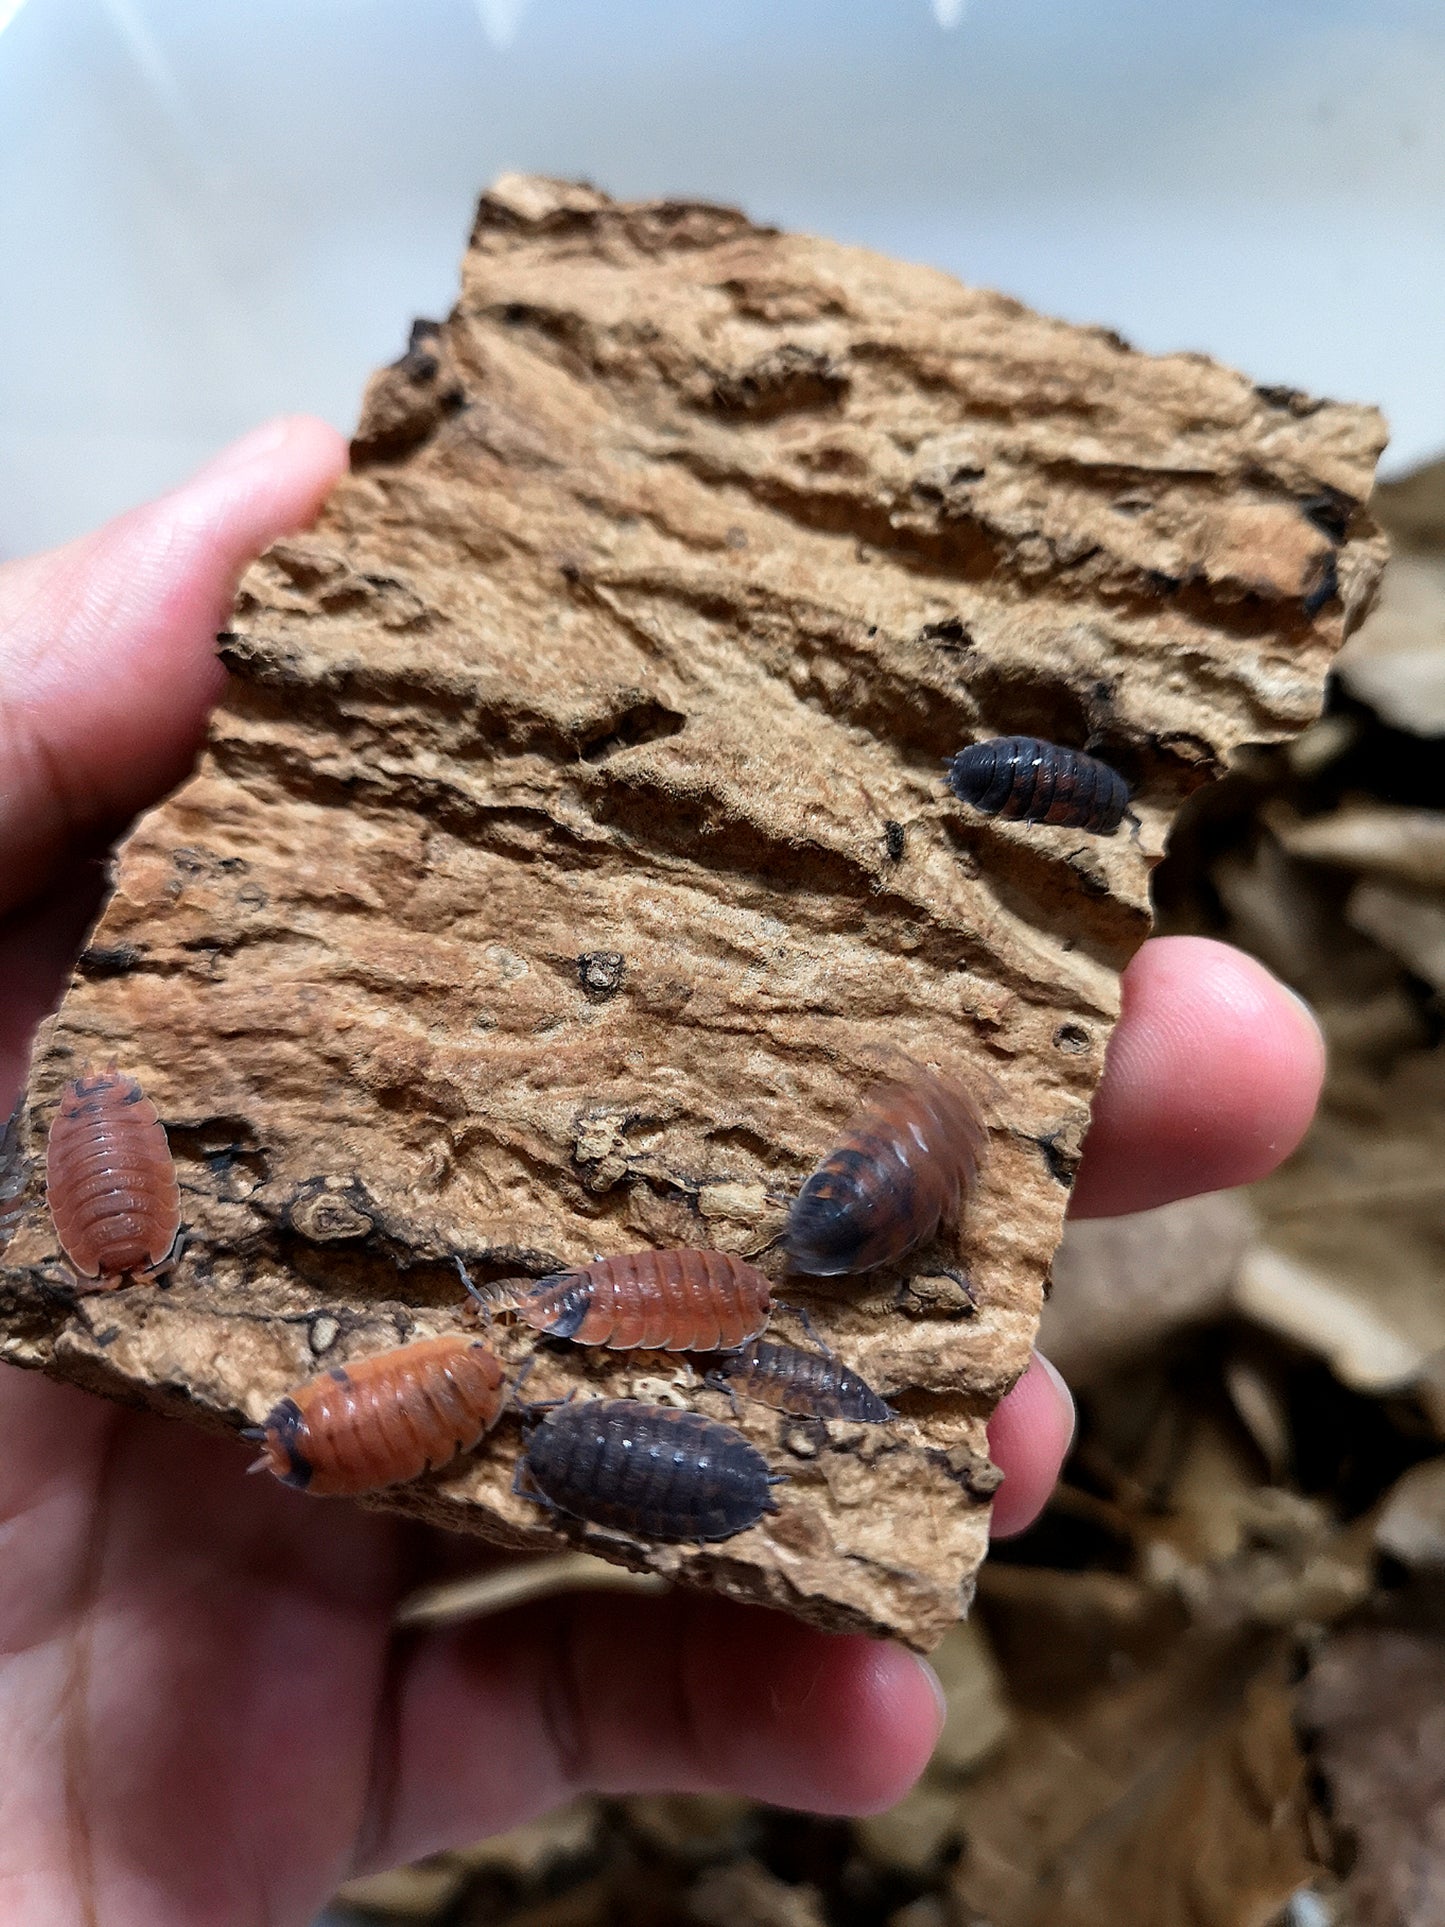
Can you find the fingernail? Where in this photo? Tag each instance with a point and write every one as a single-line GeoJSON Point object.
{"type": "Point", "coordinates": [254, 447]}
{"type": "Point", "coordinates": [935, 1686]}
{"type": "Point", "coordinates": [1066, 1397]}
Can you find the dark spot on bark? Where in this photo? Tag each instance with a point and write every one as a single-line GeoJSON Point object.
{"type": "Point", "coordinates": [1294, 400]}
{"type": "Point", "coordinates": [1061, 1158]}
{"type": "Point", "coordinates": [1072, 1038]}
{"type": "Point", "coordinates": [328, 1211]}
{"type": "Point", "coordinates": [600, 973]}
{"type": "Point", "coordinates": [979, 1477]}
{"type": "Point", "coordinates": [1325, 589]}
{"type": "Point", "coordinates": [646, 721]}
{"type": "Point", "coordinates": [894, 840]}
{"type": "Point", "coordinates": [108, 960]}
{"type": "Point", "coordinates": [1329, 511]}
{"type": "Point", "coordinates": [949, 634]}
{"type": "Point", "coordinates": [787, 380]}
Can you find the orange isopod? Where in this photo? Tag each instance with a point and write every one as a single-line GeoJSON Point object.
{"type": "Point", "coordinates": [905, 1163]}
{"type": "Point", "coordinates": [384, 1419]}
{"type": "Point", "coordinates": [666, 1301]}
{"type": "Point", "coordinates": [110, 1180]}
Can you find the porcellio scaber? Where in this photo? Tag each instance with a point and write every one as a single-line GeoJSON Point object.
{"type": "Point", "coordinates": [807, 1384]}
{"type": "Point", "coordinates": [1024, 779]}
{"type": "Point", "coordinates": [110, 1179]}
{"type": "Point", "coordinates": [649, 1470]}
{"type": "Point", "coordinates": [669, 1301]}
{"type": "Point", "coordinates": [385, 1419]}
{"type": "Point", "coordinates": [905, 1163]}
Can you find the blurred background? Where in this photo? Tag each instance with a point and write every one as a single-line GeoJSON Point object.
{"type": "Point", "coordinates": [1208, 1689]}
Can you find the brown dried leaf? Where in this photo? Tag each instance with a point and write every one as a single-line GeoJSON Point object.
{"type": "Point", "coordinates": [1349, 1265]}
{"type": "Point", "coordinates": [1377, 839]}
{"type": "Point", "coordinates": [1121, 1286]}
{"type": "Point", "coordinates": [1375, 1705]}
{"type": "Point", "coordinates": [1152, 1779]}
{"type": "Point", "coordinates": [1396, 662]}
{"type": "Point", "coordinates": [570, 853]}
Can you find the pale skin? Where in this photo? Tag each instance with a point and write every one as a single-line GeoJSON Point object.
{"type": "Point", "coordinates": [206, 1719]}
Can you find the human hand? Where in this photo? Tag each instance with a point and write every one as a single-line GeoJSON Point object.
{"type": "Point", "coordinates": [206, 1713]}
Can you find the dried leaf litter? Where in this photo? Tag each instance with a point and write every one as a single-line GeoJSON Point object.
{"type": "Point", "coordinates": [571, 853]}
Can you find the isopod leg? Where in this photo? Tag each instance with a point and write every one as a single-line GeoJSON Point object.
{"type": "Point", "coordinates": [164, 1266]}
{"type": "Point", "coordinates": [525, 1487]}
{"type": "Point", "coordinates": [810, 1330]}
{"type": "Point", "coordinates": [719, 1382]}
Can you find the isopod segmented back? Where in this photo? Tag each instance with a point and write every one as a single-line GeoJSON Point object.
{"type": "Point", "coordinates": [110, 1179]}
{"type": "Point", "coordinates": [808, 1384]}
{"type": "Point", "coordinates": [385, 1419]}
{"type": "Point", "coordinates": [905, 1163]}
{"type": "Point", "coordinates": [679, 1300]}
{"type": "Point", "coordinates": [1024, 779]}
{"type": "Point", "coordinates": [647, 1469]}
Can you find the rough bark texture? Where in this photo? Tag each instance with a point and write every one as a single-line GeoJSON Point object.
{"type": "Point", "coordinates": [570, 853]}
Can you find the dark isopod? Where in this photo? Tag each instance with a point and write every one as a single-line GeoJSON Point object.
{"type": "Point", "coordinates": [905, 1164]}
{"type": "Point", "coordinates": [1025, 780]}
{"type": "Point", "coordinates": [647, 1470]}
{"type": "Point", "coordinates": [808, 1384]}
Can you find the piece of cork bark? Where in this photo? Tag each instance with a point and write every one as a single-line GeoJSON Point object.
{"type": "Point", "coordinates": [571, 852]}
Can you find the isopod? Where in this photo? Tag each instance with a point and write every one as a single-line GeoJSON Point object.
{"type": "Point", "coordinates": [646, 1469]}
{"type": "Point", "coordinates": [385, 1419]}
{"type": "Point", "coordinates": [666, 1301]}
{"type": "Point", "coordinates": [906, 1163]}
{"type": "Point", "coordinates": [1025, 780]}
{"type": "Point", "coordinates": [809, 1384]}
{"type": "Point", "coordinates": [110, 1179]}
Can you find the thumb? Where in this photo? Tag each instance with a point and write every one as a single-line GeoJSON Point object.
{"type": "Point", "coordinates": [107, 646]}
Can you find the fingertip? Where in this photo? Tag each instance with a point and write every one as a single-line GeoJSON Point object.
{"type": "Point", "coordinates": [267, 483]}
{"type": "Point", "coordinates": [1029, 1437]}
{"type": "Point", "coordinates": [826, 1722]}
{"type": "Point", "coordinates": [1211, 1080]}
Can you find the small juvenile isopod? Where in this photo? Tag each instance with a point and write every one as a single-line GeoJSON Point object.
{"type": "Point", "coordinates": [809, 1384]}
{"type": "Point", "coordinates": [384, 1419]}
{"type": "Point", "coordinates": [906, 1163]}
{"type": "Point", "coordinates": [646, 1469]}
{"type": "Point", "coordinates": [666, 1301]}
{"type": "Point", "coordinates": [1025, 780]}
{"type": "Point", "coordinates": [110, 1179]}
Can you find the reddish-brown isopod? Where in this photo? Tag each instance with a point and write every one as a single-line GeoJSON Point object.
{"type": "Point", "coordinates": [110, 1179]}
{"type": "Point", "coordinates": [667, 1301]}
{"type": "Point", "coordinates": [906, 1162]}
{"type": "Point", "coordinates": [384, 1419]}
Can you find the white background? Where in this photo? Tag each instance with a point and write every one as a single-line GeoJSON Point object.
{"type": "Point", "coordinates": [211, 210]}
